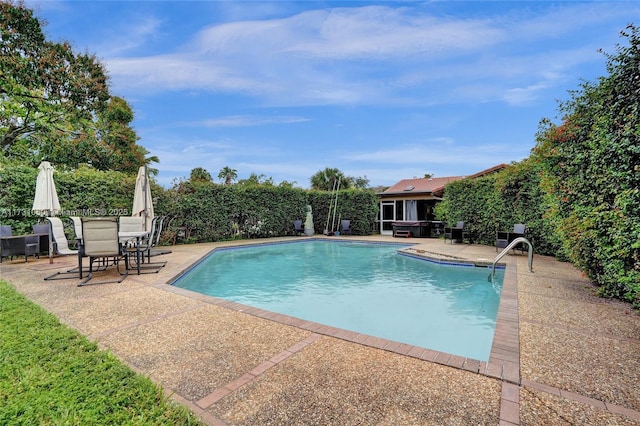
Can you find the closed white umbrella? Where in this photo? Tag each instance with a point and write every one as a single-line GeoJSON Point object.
{"type": "Point", "coordinates": [45, 202]}
{"type": "Point", "coordinates": [142, 203]}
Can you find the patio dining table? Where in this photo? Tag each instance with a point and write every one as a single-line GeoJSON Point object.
{"type": "Point", "coordinates": [123, 237]}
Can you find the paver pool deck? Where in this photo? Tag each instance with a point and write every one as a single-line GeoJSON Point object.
{"type": "Point", "coordinates": [560, 354]}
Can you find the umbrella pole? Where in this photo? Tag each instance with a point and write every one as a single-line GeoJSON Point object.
{"type": "Point", "coordinates": [50, 245]}
{"type": "Point", "coordinates": [146, 188]}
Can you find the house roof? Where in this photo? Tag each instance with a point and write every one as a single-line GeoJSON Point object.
{"type": "Point", "coordinates": [432, 185]}
{"type": "Point", "coordinates": [420, 186]}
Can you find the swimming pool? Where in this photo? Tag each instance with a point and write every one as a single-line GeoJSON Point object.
{"type": "Point", "coordinates": [364, 287]}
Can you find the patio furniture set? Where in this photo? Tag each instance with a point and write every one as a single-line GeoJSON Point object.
{"type": "Point", "coordinates": [456, 233]}
{"type": "Point", "coordinates": [107, 241]}
{"type": "Point", "coordinates": [23, 245]}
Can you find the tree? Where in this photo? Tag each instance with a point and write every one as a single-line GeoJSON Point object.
{"type": "Point", "coordinates": [55, 104]}
{"type": "Point", "coordinates": [149, 159]}
{"type": "Point", "coordinates": [361, 182]}
{"type": "Point", "coordinates": [200, 175]}
{"type": "Point", "coordinates": [44, 85]}
{"type": "Point", "coordinates": [118, 138]}
{"type": "Point", "coordinates": [228, 175]}
{"type": "Point", "coordinates": [327, 180]}
{"type": "Point", "coordinates": [287, 184]}
{"type": "Point", "coordinates": [257, 180]}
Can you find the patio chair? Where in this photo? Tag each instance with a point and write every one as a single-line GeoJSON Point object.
{"type": "Point", "coordinates": [42, 230]}
{"type": "Point", "coordinates": [77, 227]}
{"type": "Point", "coordinates": [6, 231]}
{"type": "Point", "coordinates": [59, 239]}
{"type": "Point", "coordinates": [456, 233]}
{"type": "Point", "coordinates": [131, 223]}
{"type": "Point", "coordinates": [504, 238]}
{"type": "Point", "coordinates": [297, 227]}
{"type": "Point", "coordinates": [157, 234]}
{"type": "Point", "coordinates": [100, 242]}
{"type": "Point", "coordinates": [345, 227]}
{"type": "Point", "coordinates": [144, 248]}
{"type": "Point", "coordinates": [60, 246]}
{"type": "Point", "coordinates": [7, 248]}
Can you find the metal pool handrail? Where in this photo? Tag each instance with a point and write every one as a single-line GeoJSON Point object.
{"type": "Point", "coordinates": [509, 247]}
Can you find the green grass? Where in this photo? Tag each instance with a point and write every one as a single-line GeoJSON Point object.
{"type": "Point", "coordinates": [52, 375]}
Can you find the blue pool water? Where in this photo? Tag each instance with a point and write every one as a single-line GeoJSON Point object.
{"type": "Point", "coordinates": [363, 287]}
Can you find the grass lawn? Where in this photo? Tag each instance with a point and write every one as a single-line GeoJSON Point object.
{"type": "Point", "coordinates": [52, 375]}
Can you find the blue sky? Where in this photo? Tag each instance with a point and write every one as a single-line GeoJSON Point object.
{"type": "Point", "coordinates": [386, 90]}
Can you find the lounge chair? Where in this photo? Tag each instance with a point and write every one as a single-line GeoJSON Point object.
{"type": "Point", "coordinates": [297, 227]}
{"type": "Point", "coordinates": [100, 241]}
{"type": "Point", "coordinates": [60, 246]}
{"type": "Point", "coordinates": [345, 227]}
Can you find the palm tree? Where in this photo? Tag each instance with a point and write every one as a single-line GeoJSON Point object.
{"type": "Point", "coordinates": [328, 178]}
{"type": "Point", "coordinates": [148, 159]}
{"type": "Point", "coordinates": [200, 175]}
{"type": "Point", "coordinates": [228, 175]}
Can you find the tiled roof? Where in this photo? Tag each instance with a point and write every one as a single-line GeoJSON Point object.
{"type": "Point", "coordinates": [422, 185]}
{"type": "Point", "coordinates": [433, 185]}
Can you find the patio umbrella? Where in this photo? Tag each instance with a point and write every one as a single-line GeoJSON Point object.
{"type": "Point", "coordinates": [142, 203]}
{"type": "Point", "coordinates": [45, 202]}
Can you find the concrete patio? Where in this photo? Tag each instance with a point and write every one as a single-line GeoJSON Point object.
{"type": "Point", "coordinates": [560, 355]}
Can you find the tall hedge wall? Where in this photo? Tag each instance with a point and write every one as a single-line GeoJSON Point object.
{"type": "Point", "coordinates": [591, 171]}
{"type": "Point", "coordinates": [83, 192]}
{"type": "Point", "coordinates": [206, 211]}
{"type": "Point", "coordinates": [579, 191]}
{"type": "Point", "coordinates": [497, 202]}
{"type": "Point", "coordinates": [196, 212]}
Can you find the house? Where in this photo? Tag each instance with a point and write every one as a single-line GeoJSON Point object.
{"type": "Point", "coordinates": [410, 203]}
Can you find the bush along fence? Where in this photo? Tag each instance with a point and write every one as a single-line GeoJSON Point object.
{"type": "Point", "coordinates": [200, 211]}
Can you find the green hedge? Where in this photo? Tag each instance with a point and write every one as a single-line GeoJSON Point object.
{"type": "Point", "coordinates": [591, 170]}
{"type": "Point", "coordinates": [83, 192]}
{"type": "Point", "coordinates": [496, 202]}
{"type": "Point", "coordinates": [206, 211]}
{"type": "Point", "coordinates": [579, 191]}
{"type": "Point", "coordinates": [196, 212]}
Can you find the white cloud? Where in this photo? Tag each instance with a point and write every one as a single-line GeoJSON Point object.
{"type": "Point", "coordinates": [249, 121]}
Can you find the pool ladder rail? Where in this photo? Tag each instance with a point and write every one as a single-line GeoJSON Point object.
{"type": "Point", "coordinates": [506, 250]}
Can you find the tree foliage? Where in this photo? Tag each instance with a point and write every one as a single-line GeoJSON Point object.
{"type": "Point", "coordinates": [498, 201]}
{"type": "Point", "coordinates": [82, 192]}
{"type": "Point", "coordinates": [55, 103]}
{"type": "Point", "coordinates": [199, 174]}
{"type": "Point", "coordinates": [228, 175]}
{"type": "Point", "coordinates": [327, 180]}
